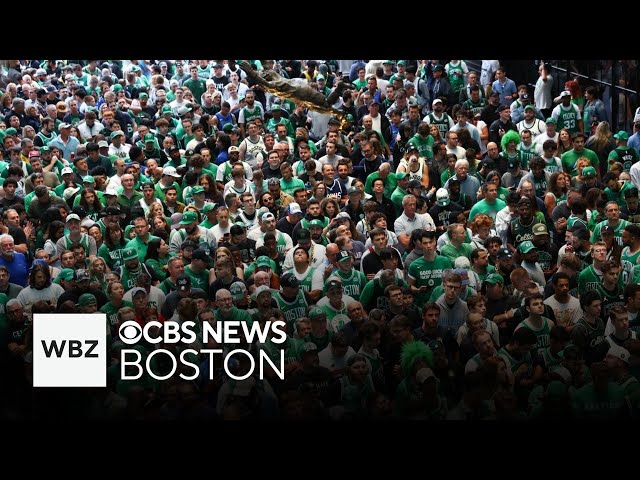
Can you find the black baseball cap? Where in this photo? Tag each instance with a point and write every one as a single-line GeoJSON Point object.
{"type": "Point", "coordinates": [289, 280]}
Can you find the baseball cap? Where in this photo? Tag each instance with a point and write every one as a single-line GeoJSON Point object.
{"type": "Point", "coordinates": [267, 216]}
{"type": "Point", "coordinates": [303, 234]}
{"type": "Point", "coordinates": [334, 282]}
{"type": "Point", "coordinates": [437, 100]}
{"type": "Point", "coordinates": [183, 282]}
{"type": "Point", "coordinates": [526, 247]}
{"type": "Point", "coordinates": [81, 275]}
{"type": "Point", "coordinates": [438, 68]}
{"type": "Point", "coordinates": [355, 190]}
{"type": "Point", "coordinates": [259, 290]}
{"type": "Point", "coordinates": [333, 121]}
{"type": "Point", "coordinates": [399, 176]}
{"type": "Point", "coordinates": [621, 135]}
{"type": "Point", "coordinates": [529, 107]}
{"type": "Point", "coordinates": [110, 192]}
{"type": "Point", "coordinates": [183, 110]}
{"type": "Point", "coordinates": [72, 216]}
{"type": "Point", "coordinates": [34, 153]}
{"type": "Point", "coordinates": [343, 255]}
{"type": "Point", "coordinates": [88, 179]}
{"type": "Point", "coordinates": [606, 230]}
{"type": "Point", "coordinates": [66, 170]}
{"type": "Point", "coordinates": [44, 149]}
{"type": "Point", "coordinates": [565, 93]}
{"type": "Point", "coordinates": [588, 172]}
{"type": "Point", "coordinates": [275, 106]}
{"type": "Point", "coordinates": [149, 138]}
{"type": "Point", "coordinates": [65, 274]}
{"type": "Point", "coordinates": [289, 280]}
{"type": "Point", "coordinates": [233, 148]}
{"type": "Point", "coordinates": [494, 278]}
{"type": "Point", "coordinates": [620, 352]}
{"type": "Point", "coordinates": [551, 120]}
{"type": "Point", "coordinates": [136, 290]}
{"type": "Point", "coordinates": [171, 171]}
{"type": "Point", "coordinates": [208, 207]}
{"type": "Point", "coordinates": [263, 261]}
{"type": "Point", "coordinates": [129, 254]}
{"type": "Point", "coordinates": [273, 181]}
{"type": "Point", "coordinates": [411, 147]}
{"type": "Point", "coordinates": [314, 223]}
{"type": "Point", "coordinates": [61, 106]}
{"type": "Point", "coordinates": [87, 299]}
{"type": "Point", "coordinates": [309, 348]}
{"type": "Point", "coordinates": [442, 197]}
{"type": "Point", "coordinates": [188, 217]}
{"type": "Point", "coordinates": [294, 208]}
{"type": "Point", "coordinates": [415, 184]}
{"type": "Point", "coordinates": [503, 253]}
{"type": "Point", "coordinates": [540, 229]}
{"type": "Point", "coordinates": [464, 274]}
{"type": "Point", "coordinates": [502, 108]}
{"type": "Point", "coordinates": [62, 125]}
{"type": "Point", "coordinates": [424, 374]}
{"type": "Point", "coordinates": [343, 215]}
{"type": "Point", "coordinates": [315, 312]}
{"type": "Point", "coordinates": [197, 190]}
{"type": "Point", "coordinates": [103, 144]}
{"type": "Point", "coordinates": [238, 290]}
{"type": "Point", "coordinates": [117, 133]}
{"type": "Point", "coordinates": [199, 254]}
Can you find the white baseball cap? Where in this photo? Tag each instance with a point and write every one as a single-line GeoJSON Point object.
{"type": "Point", "coordinates": [171, 171]}
{"type": "Point", "coordinates": [66, 170]}
{"type": "Point", "coordinates": [619, 352]}
{"type": "Point", "coordinates": [294, 208]}
{"type": "Point", "coordinates": [442, 197]}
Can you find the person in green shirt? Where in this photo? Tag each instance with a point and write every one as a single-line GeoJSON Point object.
{"type": "Point", "coordinates": [157, 258]}
{"type": "Point", "coordinates": [456, 247]}
{"type": "Point", "coordinates": [425, 273]}
{"type": "Point", "coordinates": [384, 172]}
{"type": "Point", "coordinates": [288, 183]}
{"type": "Point", "coordinates": [570, 159]}
{"type": "Point", "coordinates": [115, 292]}
{"type": "Point", "coordinates": [401, 190]}
{"type": "Point", "coordinates": [353, 281]}
{"type": "Point", "coordinates": [198, 269]}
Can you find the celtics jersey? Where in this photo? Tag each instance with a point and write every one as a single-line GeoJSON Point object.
{"type": "Point", "coordinates": [475, 108]}
{"type": "Point", "coordinates": [112, 313]}
{"type": "Point", "coordinates": [516, 362]}
{"type": "Point", "coordinates": [568, 118]}
{"type": "Point", "coordinates": [456, 78]}
{"type": "Point", "coordinates": [306, 281]}
{"type": "Point", "coordinates": [253, 150]}
{"type": "Point", "coordinates": [549, 359]}
{"type": "Point", "coordinates": [543, 333]}
{"type": "Point", "coordinates": [588, 280]}
{"type": "Point", "coordinates": [352, 283]}
{"type": "Point", "coordinates": [198, 280]}
{"type": "Point", "coordinates": [45, 140]}
{"type": "Point", "coordinates": [292, 310]}
{"type": "Point", "coordinates": [442, 124]}
{"type": "Point", "coordinates": [424, 145]}
{"type": "Point", "coordinates": [628, 260]}
{"type": "Point", "coordinates": [627, 157]}
{"type": "Point", "coordinates": [84, 241]}
{"type": "Point", "coordinates": [520, 232]}
{"type": "Point", "coordinates": [527, 153]}
{"type": "Point", "coordinates": [248, 115]}
{"type": "Point", "coordinates": [617, 231]}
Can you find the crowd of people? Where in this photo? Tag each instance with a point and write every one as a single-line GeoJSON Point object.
{"type": "Point", "coordinates": [451, 246]}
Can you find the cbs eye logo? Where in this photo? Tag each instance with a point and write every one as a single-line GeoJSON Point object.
{"type": "Point", "coordinates": [130, 332]}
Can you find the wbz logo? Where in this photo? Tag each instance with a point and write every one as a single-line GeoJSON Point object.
{"type": "Point", "coordinates": [69, 350]}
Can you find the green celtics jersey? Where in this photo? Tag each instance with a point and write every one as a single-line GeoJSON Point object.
{"type": "Point", "coordinates": [306, 282]}
{"type": "Point", "coordinates": [352, 283]}
{"type": "Point", "coordinates": [292, 310]}
{"type": "Point", "coordinates": [527, 153]}
{"type": "Point", "coordinates": [617, 231]}
{"type": "Point", "coordinates": [628, 260]}
{"type": "Point", "coordinates": [552, 164]}
{"type": "Point", "coordinates": [456, 76]}
{"type": "Point", "coordinates": [588, 280]}
{"type": "Point", "coordinates": [112, 256]}
{"type": "Point", "coordinates": [428, 274]}
{"type": "Point", "coordinates": [618, 196]}
{"type": "Point", "coordinates": [568, 118]}
{"type": "Point", "coordinates": [542, 333]}
{"type": "Point", "coordinates": [475, 108]}
{"type": "Point", "coordinates": [198, 280]}
{"type": "Point", "coordinates": [624, 154]}
{"type": "Point", "coordinates": [516, 362]}
{"type": "Point", "coordinates": [549, 359]}
{"type": "Point", "coordinates": [424, 145]}
{"type": "Point", "coordinates": [112, 312]}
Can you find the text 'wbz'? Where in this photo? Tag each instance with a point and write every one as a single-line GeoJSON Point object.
{"type": "Point", "coordinates": [227, 332]}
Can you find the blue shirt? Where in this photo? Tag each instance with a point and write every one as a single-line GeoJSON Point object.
{"type": "Point", "coordinates": [18, 269]}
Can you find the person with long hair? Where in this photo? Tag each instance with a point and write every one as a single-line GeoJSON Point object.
{"type": "Point", "coordinates": [155, 210]}
{"type": "Point", "coordinates": [115, 294]}
{"type": "Point", "coordinates": [330, 207]}
{"type": "Point", "coordinates": [223, 253]}
{"type": "Point", "coordinates": [601, 142]}
{"type": "Point", "coordinates": [40, 287]}
{"type": "Point", "coordinates": [91, 203]}
{"type": "Point", "coordinates": [556, 191]}
{"type": "Point", "coordinates": [53, 232]}
{"type": "Point", "coordinates": [113, 245]}
{"type": "Point", "coordinates": [482, 228]}
{"type": "Point", "coordinates": [157, 258]}
{"type": "Point", "coordinates": [564, 141]}
{"type": "Point", "coordinates": [98, 270]}
{"type": "Point", "coordinates": [160, 223]}
{"type": "Point", "coordinates": [211, 191]}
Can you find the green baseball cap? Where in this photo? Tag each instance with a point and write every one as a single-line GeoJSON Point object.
{"type": "Point", "coordinates": [622, 136]}
{"type": "Point", "coordinates": [65, 274]}
{"type": "Point", "coordinates": [227, 127]}
{"type": "Point", "coordinates": [11, 131]}
{"type": "Point", "coordinates": [87, 299]}
{"type": "Point", "coordinates": [401, 176]}
{"type": "Point", "coordinates": [263, 261]}
{"type": "Point", "coordinates": [494, 278]}
{"type": "Point", "coordinates": [551, 120]}
{"type": "Point", "coordinates": [149, 138]}
{"type": "Point", "coordinates": [526, 246]}
{"type": "Point", "coordinates": [129, 254]}
{"type": "Point", "coordinates": [589, 172]}
{"type": "Point", "coordinates": [315, 223]}
{"type": "Point", "coordinates": [316, 312]}
{"type": "Point", "coordinates": [208, 207]}
{"type": "Point", "coordinates": [165, 109]}
{"type": "Point", "coordinates": [188, 217]}
{"type": "Point", "coordinates": [117, 87]}
{"type": "Point", "coordinates": [44, 149]}
{"type": "Point", "coordinates": [88, 179]}
{"type": "Point", "coordinates": [197, 189]}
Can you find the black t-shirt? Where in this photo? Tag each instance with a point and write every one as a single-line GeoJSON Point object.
{"type": "Point", "coordinates": [19, 238]}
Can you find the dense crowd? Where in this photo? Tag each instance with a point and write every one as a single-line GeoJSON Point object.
{"type": "Point", "coordinates": [451, 245]}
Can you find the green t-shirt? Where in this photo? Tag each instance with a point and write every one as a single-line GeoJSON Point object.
{"type": "Point", "coordinates": [429, 274]}
{"type": "Point", "coordinates": [570, 159]}
{"type": "Point", "coordinates": [452, 253]}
